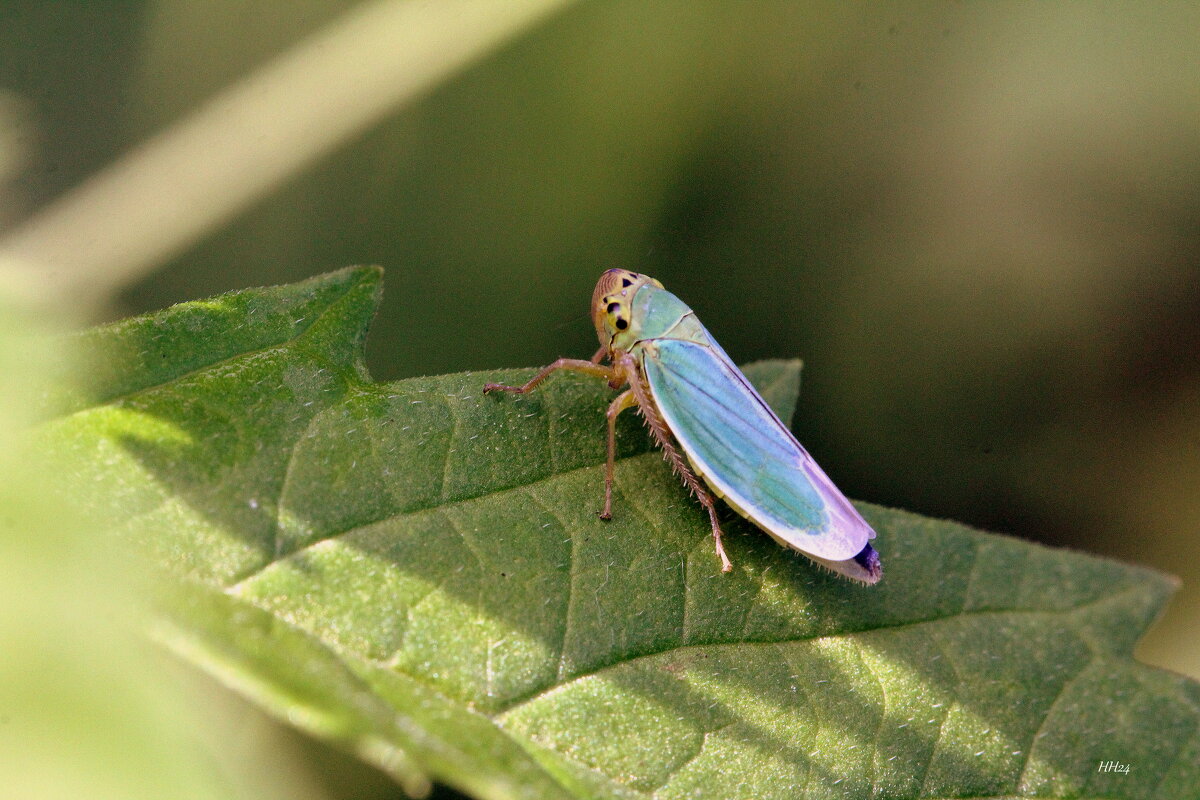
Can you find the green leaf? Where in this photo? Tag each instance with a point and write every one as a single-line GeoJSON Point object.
{"type": "Point", "coordinates": [417, 571]}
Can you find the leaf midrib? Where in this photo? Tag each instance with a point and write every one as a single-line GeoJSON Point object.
{"type": "Point", "coordinates": [515, 703]}
{"type": "Point", "coordinates": [950, 617]}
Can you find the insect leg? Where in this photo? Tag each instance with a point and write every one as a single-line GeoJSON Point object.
{"type": "Point", "coordinates": [621, 402]}
{"type": "Point", "coordinates": [701, 491]}
{"type": "Point", "coordinates": [658, 427]}
{"type": "Point", "coordinates": [706, 500]}
{"type": "Point", "coordinates": [587, 367]}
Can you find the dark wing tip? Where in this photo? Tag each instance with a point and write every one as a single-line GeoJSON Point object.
{"type": "Point", "coordinates": [868, 559]}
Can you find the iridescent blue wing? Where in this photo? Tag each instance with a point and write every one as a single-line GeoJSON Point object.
{"type": "Point", "coordinates": [748, 456]}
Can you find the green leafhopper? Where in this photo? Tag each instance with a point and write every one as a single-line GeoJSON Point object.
{"type": "Point", "coordinates": [714, 428]}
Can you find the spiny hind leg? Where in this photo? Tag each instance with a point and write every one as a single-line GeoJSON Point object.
{"type": "Point", "coordinates": [698, 488]}
{"type": "Point", "coordinates": [706, 500]}
{"type": "Point", "coordinates": [662, 435]}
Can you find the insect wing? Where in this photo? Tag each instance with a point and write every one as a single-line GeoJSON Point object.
{"type": "Point", "coordinates": [746, 454]}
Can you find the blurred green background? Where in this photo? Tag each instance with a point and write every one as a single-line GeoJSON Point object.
{"type": "Point", "coordinates": [979, 224]}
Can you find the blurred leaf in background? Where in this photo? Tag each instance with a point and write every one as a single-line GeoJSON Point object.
{"type": "Point", "coordinates": [88, 708]}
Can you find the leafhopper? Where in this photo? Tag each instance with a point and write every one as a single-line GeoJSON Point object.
{"type": "Point", "coordinates": [714, 428]}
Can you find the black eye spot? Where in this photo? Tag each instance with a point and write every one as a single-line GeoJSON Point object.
{"type": "Point", "coordinates": [622, 323]}
{"type": "Point", "coordinates": [626, 282]}
{"type": "Point", "coordinates": [614, 307]}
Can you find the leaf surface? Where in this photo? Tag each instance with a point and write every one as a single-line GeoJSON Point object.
{"type": "Point", "coordinates": [417, 572]}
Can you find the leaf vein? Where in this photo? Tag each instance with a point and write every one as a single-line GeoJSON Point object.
{"type": "Point", "coordinates": [597, 670]}
{"type": "Point", "coordinates": [1062, 691]}
{"type": "Point", "coordinates": [883, 694]}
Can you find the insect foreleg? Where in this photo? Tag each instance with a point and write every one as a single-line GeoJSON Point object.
{"type": "Point", "coordinates": [578, 365]}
